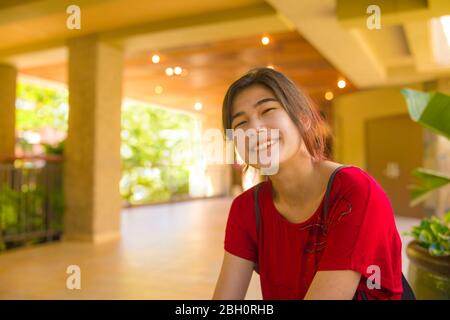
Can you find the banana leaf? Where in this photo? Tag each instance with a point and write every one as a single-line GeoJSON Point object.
{"type": "Point", "coordinates": [427, 181]}
{"type": "Point", "coordinates": [431, 110]}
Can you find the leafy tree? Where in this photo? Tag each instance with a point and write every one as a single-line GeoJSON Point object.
{"type": "Point", "coordinates": [40, 107]}
{"type": "Point", "coordinates": [156, 147]}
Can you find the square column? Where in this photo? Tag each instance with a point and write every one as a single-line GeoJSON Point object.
{"type": "Point", "coordinates": [92, 167]}
{"type": "Point", "coordinates": [8, 76]}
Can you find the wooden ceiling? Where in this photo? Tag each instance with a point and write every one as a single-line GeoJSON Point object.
{"type": "Point", "coordinates": [210, 68]}
{"type": "Point", "coordinates": [29, 23]}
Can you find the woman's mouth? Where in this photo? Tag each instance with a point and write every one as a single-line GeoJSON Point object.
{"type": "Point", "coordinates": [266, 145]}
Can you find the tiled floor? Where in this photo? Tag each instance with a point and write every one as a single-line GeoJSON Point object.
{"type": "Point", "coordinates": [166, 252]}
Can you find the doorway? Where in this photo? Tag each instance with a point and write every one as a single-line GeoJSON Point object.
{"type": "Point", "coordinates": [394, 148]}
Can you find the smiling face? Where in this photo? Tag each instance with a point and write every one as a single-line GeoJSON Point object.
{"type": "Point", "coordinates": [265, 99]}
{"type": "Point", "coordinates": [257, 108]}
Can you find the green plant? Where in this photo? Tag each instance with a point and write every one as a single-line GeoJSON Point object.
{"type": "Point", "coordinates": [32, 200]}
{"type": "Point", "coordinates": [434, 235]}
{"type": "Point", "coordinates": [8, 208]}
{"type": "Point", "coordinates": [57, 149]}
{"type": "Point", "coordinates": [23, 210]}
{"type": "Point", "coordinates": [431, 110]}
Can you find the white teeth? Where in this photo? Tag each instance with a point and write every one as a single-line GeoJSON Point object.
{"type": "Point", "coordinates": [266, 144]}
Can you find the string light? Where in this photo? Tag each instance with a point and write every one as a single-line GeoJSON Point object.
{"type": "Point", "coordinates": [177, 70]}
{"type": "Point", "coordinates": [169, 71]}
{"type": "Point", "coordinates": [341, 84]}
{"type": "Point", "coordinates": [265, 40]}
{"type": "Point", "coordinates": [198, 106]}
{"type": "Point", "coordinates": [156, 58]}
{"type": "Point", "coordinates": [329, 95]}
{"type": "Point", "coordinates": [158, 89]}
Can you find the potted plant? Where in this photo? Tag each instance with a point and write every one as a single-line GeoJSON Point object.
{"type": "Point", "coordinates": [429, 252]}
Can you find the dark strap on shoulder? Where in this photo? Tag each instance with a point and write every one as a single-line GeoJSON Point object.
{"type": "Point", "coordinates": [257, 211]}
{"type": "Point", "coordinates": [258, 218]}
{"type": "Point", "coordinates": [328, 192]}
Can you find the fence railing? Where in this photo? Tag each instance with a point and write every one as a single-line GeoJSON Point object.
{"type": "Point", "coordinates": [31, 200]}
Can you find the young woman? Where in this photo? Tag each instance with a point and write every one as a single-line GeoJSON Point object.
{"type": "Point", "coordinates": [352, 253]}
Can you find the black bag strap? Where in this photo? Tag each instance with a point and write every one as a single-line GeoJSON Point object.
{"type": "Point", "coordinates": [257, 212]}
{"type": "Point", "coordinates": [258, 217]}
{"type": "Point", "coordinates": [328, 192]}
{"type": "Point", "coordinates": [408, 294]}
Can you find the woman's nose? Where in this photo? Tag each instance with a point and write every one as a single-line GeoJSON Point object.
{"type": "Point", "coordinates": [257, 125]}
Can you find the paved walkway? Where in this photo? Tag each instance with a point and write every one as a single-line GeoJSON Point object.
{"type": "Point", "coordinates": [166, 252]}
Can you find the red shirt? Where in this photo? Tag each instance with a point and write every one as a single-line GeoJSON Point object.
{"type": "Point", "coordinates": [361, 233]}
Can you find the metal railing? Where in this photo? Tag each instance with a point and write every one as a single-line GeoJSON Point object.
{"type": "Point", "coordinates": [31, 200]}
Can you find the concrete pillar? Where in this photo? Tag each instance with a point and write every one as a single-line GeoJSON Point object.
{"type": "Point", "coordinates": [219, 175]}
{"type": "Point", "coordinates": [8, 75]}
{"type": "Point", "coordinates": [92, 167]}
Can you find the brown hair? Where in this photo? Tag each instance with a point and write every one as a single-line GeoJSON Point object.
{"type": "Point", "coordinates": [293, 99]}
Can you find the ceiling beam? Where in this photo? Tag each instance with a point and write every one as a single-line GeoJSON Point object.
{"type": "Point", "coordinates": [353, 13]}
{"type": "Point", "coordinates": [174, 33]}
{"type": "Point", "coordinates": [420, 41]}
{"type": "Point", "coordinates": [20, 10]}
{"type": "Point", "coordinates": [351, 51]}
{"type": "Point", "coordinates": [348, 51]}
{"type": "Point", "coordinates": [198, 29]}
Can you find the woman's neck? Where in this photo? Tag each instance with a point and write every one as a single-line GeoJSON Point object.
{"type": "Point", "coordinates": [297, 181]}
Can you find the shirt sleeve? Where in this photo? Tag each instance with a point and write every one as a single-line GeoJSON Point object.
{"type": "Point", "coordinates": [239, 241]}
{"type": "Point", "coordinates": [362, 235]}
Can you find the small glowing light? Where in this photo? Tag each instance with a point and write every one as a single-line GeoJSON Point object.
{"type": "Point", "coordinates": [178, 70]}
{"type": "Point", "coordinates": [158, 89]}
{"type": "Point", "coordinates": [329, 95]}
{"type": "Point", "coordinates": [270, 66]}
{"type": "Point", "coordinates": [265, 40]}
{"type": "Point", "coordinates": [341, 84]}
{"type": "Point", "coordinates": [156, 58]}
{"type": "Point", "coordinates": [198, 106]}
{"type": "Point", "coordinates": [169, 71]}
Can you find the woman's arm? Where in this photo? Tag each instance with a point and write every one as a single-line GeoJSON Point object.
{"type": "Point", "coordinates": [234, 278]}
{"type": "Point", "coordinates": [333, 285]}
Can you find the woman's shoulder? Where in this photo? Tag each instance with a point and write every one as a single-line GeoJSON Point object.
{"type": "Point", "coordinates": [352, 172]}
{"type": "Point", "coordinates": [355, 186]}
{"type": "Point", "coordinates": [352, 177]}
{"type": "Point", "coordinates": [352, 182]}
{"type": "Point", "coordinates": [246, 197]}
{"type": "Point", "coordinates": [358, 197]}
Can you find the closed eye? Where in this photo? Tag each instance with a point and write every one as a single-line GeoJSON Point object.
{"type": "Point", "coordinates": [240, 123]}
{"type": "Point", "coordinates": [267, 110]}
